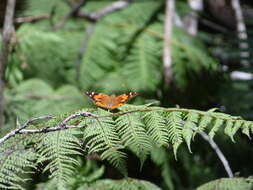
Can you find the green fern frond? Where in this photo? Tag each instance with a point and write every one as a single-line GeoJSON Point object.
{"type": "Point", "coordinates": [174, 125]}
{"type": "Point", "coordinates": [101, 137]}
{"type": "Point", "coordinates": [13, 163]}
{"type": "Point", "coordinates": [216, 126]}
{"type": "Point", "coordinates": [143, 63]}
{"type": "Point", "coordinates": [129, 184]}
{"type": "Point", "coordinates": [246, 128]}
{"type": "Point", "coordinates": [204, 122]}
{"type": "Point", "coordinates": [188, 128]}
{"type": "Point", "coordinates": [156, 129]}
{"type": "Point", "coordinates": [229, 184]}
{"type": "Point", "coordinates": [132, 132]}
{"type": "Point", "coordinates": [59, 148]}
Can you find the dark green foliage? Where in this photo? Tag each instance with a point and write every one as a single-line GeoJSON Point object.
{"type": "Point", "coordinates": [35, 97]}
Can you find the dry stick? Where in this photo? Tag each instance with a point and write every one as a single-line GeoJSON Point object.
{"type": "Point", "coordinates": [8, 30]}
{"type": "Point", "coordinates": [168, 26]}
{"type": "Point", "coordinates": [31, 18]}
{"type": "Point", "coordinates": [95, 16]}
{"type": "Point", "coordinates": [217, 150]}
{"type": "Point", "coordinates": [61, 126]}
{"type": "Point", "coordinates": [17, 131]}
{"type": "Point", "coordinates": [84, 114]}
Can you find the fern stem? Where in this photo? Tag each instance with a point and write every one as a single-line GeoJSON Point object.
{"type": "Point", "coordinates": [219, 153]}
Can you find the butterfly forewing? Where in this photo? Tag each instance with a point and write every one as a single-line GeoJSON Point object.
{"type": "Point", "coordinates": [110, 102]}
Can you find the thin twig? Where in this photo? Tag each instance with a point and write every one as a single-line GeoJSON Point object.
{"type": "Point", "coordinates": [31, 18]}
{"type": "Point", "coordinates": [61, 126]}
{"type": "Point", "coordinates": [83, 114]}
{"type": "Point", "coordinates": [219, 153]}
{"type": "Point", "coordinates": [95, 16]}
{"type": "Point", "coordinates": [50, 129]}
{"type": "Point", "coordinates": [17, 131]}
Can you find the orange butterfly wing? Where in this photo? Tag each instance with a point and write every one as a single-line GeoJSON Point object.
{"type": "Point", "coordinates": [101, 100]}
{"type": "Point", "coordinates": [110, 102]}
{"type": "Point", "coordinates": [122, 99]}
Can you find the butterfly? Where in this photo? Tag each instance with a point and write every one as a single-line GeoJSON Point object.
{"type": "Point", "coordinates": [110, 102]}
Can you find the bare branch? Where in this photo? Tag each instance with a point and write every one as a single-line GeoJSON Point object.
{"type": "Point", "coordinates": [168, 26]}
{"type": "Point", "coordinates": [61, 126]}
{"type": "Point", "coordinates": [31, 18]}
{"type": "Point", "coordinates": [51, 129]}
{"type": "Point", "coordinates": [83, 114]}
{"type": "Point", "coordinates": [8, 30]}
{"type": "Point", "coordinates": [17, 131]}
{"type": "Point", "coordinates": [217, 150]}
{"type": "Point", "coordinates": [95, 16]}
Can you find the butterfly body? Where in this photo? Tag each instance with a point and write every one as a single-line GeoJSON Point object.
{"type": "Point", "coordinates": [110, 102]}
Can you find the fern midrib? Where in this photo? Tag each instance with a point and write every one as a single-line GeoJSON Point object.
{"type": "Point", "coordinates": [105, 137]}
{"type": "Point", "coordinates": [182, 110]}
{"type": "Point", "coordinates": [177, 137]}
{"type": "Point", "coordinates": [133, 132]}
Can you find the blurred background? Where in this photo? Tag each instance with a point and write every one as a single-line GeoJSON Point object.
{"type": "Point", "coordinates": [195, 54]}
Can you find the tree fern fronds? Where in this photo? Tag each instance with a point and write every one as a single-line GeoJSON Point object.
{"type": "Point", "coordinates": [174, 125]}
{"type": "Point", "coordinates": [14, 163]}
{"type": "Point", "coordinates": [156, 129]}
{"type": "Point", "coordinates": [228, 183]}
{"type": "Point", "coordinates": [58, 148]}
{"type": "Point", "coordinates": [143, 63]}
{"type": "Point", "coordinates": [232, 127]}
{"type": "Point", "coordinates": [124, 184]}
{"type": "Point", "coordinates": [188, 128]}
{"type": "Point", "coordinates": [49, 185]}
{"type": "Point", "coordinates": [132, 132]}
{"type": "Point", "coordinates": [204, 122]}
{"type": "Point", "coordinates": [228, 128]}
{"type": "Point", "coordinates": [101, 137]}
{"type": "Point", "coordinates": [217, 124]}
{"type": "Point", "coordinates": [246, 128]}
